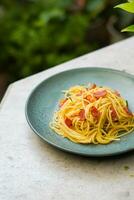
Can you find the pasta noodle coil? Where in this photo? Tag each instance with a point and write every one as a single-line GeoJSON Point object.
{"type": "Point", "coordinates": [94, 114]}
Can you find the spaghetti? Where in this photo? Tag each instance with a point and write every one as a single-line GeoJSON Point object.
{"type": "Point", "coordinates": [94, 114]}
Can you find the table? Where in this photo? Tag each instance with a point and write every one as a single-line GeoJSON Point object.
{"type": "Point", "coordinates": [31, 169]}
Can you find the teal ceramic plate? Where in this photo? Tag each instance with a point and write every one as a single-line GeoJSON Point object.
{"type": "Point", "coordinates": [43, 101]}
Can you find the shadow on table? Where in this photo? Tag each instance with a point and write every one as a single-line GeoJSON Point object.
{"type": "Point", "coordinates": [59, 152]}
{"type": "Point", "coordinates": [103, 168]}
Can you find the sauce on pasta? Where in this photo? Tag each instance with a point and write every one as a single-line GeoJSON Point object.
{"type": "Point", "coordinates": [93, 114]}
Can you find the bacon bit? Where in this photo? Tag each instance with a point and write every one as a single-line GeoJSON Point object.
{"type": "Point", "coordinates": [128, 111]}
{"type": "Point", "coordinates": [68, 122]}
{"type": "Point", "coordinates": [90, 98]}
{"type": "Point", "coordinates": [92, 86]}
{"type": "Point", "coordinates": [82, 115]}
{"type": "Point", "coordinates": [86, 103]}
{"type": "Point", "coordinates": [62, 101]}
{"type": "Point", "coordinates": [101, 93]}
{"type": "Point", "coordinates": [117, 93]}
{"type": "Point", "coordinates": [113, 113]}
{"type": "Point", "coordinates": [95, 112]}
{"type": "Point", "coordinates": [80, 93]}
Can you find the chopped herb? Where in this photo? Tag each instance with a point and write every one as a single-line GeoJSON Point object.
{"type": "Point", "coordinates": [68, 95]}
{"type": "Point", "coordinates": [70, 98]}
{"type": "Point", "coordinates": [126, 103]}
{"type": "Point", "coordinates": [82, 85]}
{"type": "Point", "coordinates": [126, 167]}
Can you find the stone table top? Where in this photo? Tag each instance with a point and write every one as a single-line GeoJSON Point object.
{"type": "Point", "coordinates": [31, 169]}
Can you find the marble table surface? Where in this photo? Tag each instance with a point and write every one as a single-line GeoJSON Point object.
{"type": "Point", "coordinates": [31, 169]}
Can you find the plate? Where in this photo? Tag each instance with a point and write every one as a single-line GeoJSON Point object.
{"type": "Point", "coordinates": [43, 102]}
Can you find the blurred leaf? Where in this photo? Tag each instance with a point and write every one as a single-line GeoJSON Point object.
{"type": "Point", "coordinates": [38, 34]}
{"type": "Point", "coordinates": [95, 6]}
{"type": "Point", "coordinates": [46, 16]}
{"type": "Point", "coordinates": [128, 29]}
{"type": "Point", "coordinates": [129, 7]}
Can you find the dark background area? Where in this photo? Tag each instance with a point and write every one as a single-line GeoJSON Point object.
{"type": "Point", "coordinates": [38, 34]}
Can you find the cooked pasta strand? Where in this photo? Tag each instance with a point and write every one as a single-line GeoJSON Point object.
{"type": "Point", "coordinates": [97, 115]}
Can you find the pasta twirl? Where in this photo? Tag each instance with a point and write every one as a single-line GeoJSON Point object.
{"type": "Point", "coordinates": [94, 114]}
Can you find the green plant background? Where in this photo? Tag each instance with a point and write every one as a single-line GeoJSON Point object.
{"type": "Point", "coordinates": [128, 7]}
{"type": "Point", "coordinates": [38, 34]}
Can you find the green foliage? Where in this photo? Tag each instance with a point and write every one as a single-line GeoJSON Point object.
{"type": "Point", "coordinates": [128, 29]}
{"type": "Point", "coordinates": [38, 34]}
{"type": "Point", "coordinates": [129, 7]}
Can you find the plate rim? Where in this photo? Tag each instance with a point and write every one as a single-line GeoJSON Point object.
{"type": "Point", "coordinates": [65, 148]}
